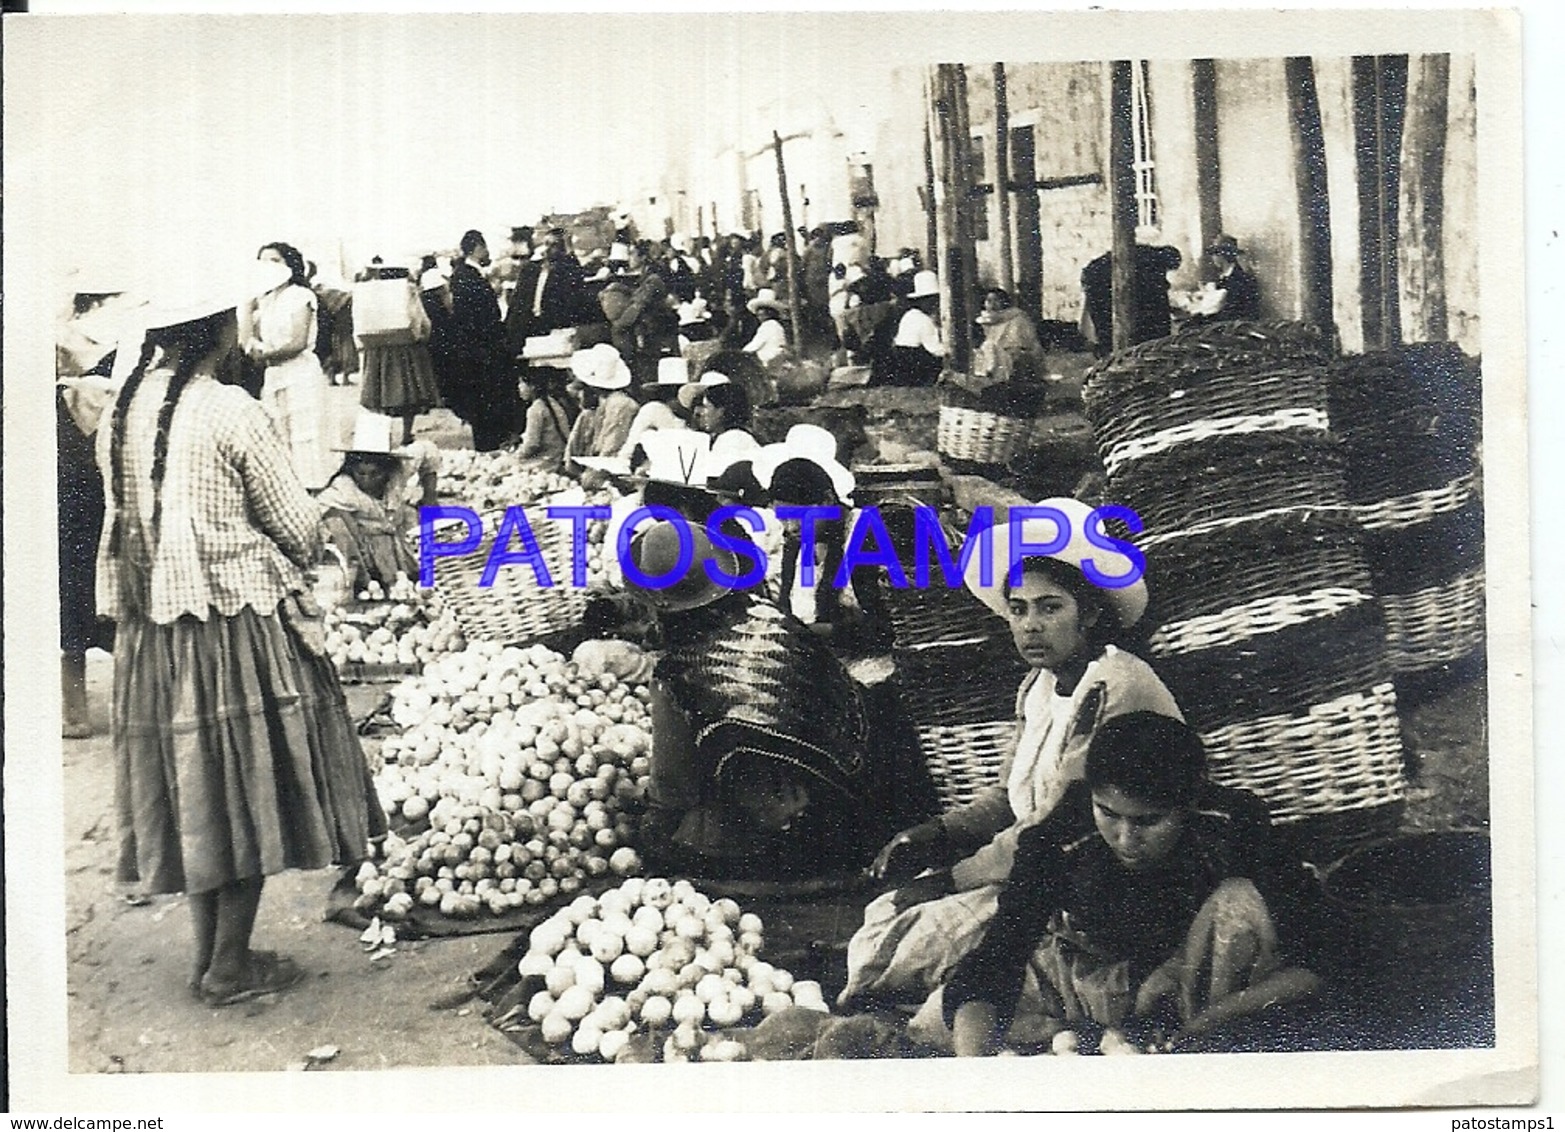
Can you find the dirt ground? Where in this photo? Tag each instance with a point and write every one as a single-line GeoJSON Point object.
{"type": "Point", "coordinates": [130, 1009]}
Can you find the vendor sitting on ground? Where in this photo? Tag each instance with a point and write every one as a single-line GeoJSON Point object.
{"type": "Point", "coordinates": [770, 340]}
{"type": "Point", "coordinates": [760, 740]}
{"type": "Point", "coordinates": [1149, 898]}
{"type": "Point", "coordinates": [368, 511]}
{"type": "Point", "coordinates": [917, 354]}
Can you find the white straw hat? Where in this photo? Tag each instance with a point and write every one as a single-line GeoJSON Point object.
{"type": "Point", "coordinates": [1127, 602]}
{"type": "Point", "coordinates": [805, 442]}
{"type": "Point", "coordinates": [925, 285]}
{"type": "Point", "coordinates": [600, 367]}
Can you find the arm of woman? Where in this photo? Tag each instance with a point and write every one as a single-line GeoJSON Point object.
{"type": "Point", "coordinates": [283, 510]}
{"type": "Point", "coordinates": [532, 435]}
{"type": "Point", "coordinates": [294, 337]}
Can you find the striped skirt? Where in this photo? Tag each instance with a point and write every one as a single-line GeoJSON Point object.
{"type": "Point", "coordinates": [235, 756]}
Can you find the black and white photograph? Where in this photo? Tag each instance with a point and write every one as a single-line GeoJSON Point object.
{"type": "Point", "coordinates": [862, 561]}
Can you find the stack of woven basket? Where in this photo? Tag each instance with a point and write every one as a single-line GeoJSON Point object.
{"type": "Point", "coordinates": [957, 670]}
{"type": "Point", "coordinates": [1262, 619]}
{"type": "Point", "coordinates": [1409, 422]}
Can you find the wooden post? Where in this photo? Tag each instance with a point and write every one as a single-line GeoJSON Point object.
{"type": "Point", "coordinates": [1122, 198]}
{"type": "Point", "coordinates": [931, 218]}
{"type": "Point", "coordinates": [951, 187]}
{"type": "Point", "coordinates": [964, 266]}
{"type": "Point", "coordinates": [794, 315]}
{"type": "Point", "coordinates": [1309, 174]}
{"type": "Point", "coordinates": [1423, 198]}
{"type": "Point", "coordinates": [1002, 176]}
{"type": "Point", "coordinates": [1208, 155]}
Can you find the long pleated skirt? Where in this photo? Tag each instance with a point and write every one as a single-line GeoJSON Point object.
{"type": "Point", "coordinates": [398, 379]}
{"type": "Point", "coordinates": [235, 756]}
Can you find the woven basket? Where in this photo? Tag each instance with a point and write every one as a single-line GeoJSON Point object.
{"type": "Point", "coordinates": [964, 760]}
{"type": "Point", "coordinates": [1436, 625]}
{"type": "Point", "coordinates": [967, 682]}
{"type": "Point", "coordinates": [1340, 756]}
{"type": "Point", "coordinates": [1429, 554]}
{"type": "Point", "coordinates": [1281, 673]}
{"type": "Point", "coordinates": [1409, 510]}
{"type": "Point", "coordinates": [516, 609]}
{"type": "Point", "coordinates": [1142, 410]}
{"type": "Point", "coordinates": [1414, 911]}
{"type": "Point", "coordinates": [1195, 354]}
{"type": "Point", "coordinates": [979, 437]}
{"type": "Point", "coordinates": [1183, 588]}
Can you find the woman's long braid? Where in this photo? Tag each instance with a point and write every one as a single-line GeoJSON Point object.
{"type": "Point", "coordinates": [176, 386]}
{"type": "Point", "coordinates": [117, 443]}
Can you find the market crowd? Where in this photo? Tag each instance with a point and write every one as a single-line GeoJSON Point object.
{"type": "Point", "coordinates": [1100, 876]}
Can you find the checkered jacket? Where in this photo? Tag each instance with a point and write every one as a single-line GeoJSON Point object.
{"type": "Point", "coordinates": [237, 524]}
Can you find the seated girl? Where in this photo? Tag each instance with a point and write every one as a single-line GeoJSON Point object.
{"type": "Point", "coordinates": [1149, 894]}
{"type": "Point", "coordinates": [370, 508]}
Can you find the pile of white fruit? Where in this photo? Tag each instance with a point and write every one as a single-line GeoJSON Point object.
{"type": "Point", "coordinates": [404, 626]}
{"type": "Point", "coordinates": [653, 956]}
{"type": "Point", "coordinates": [487, 481]}
{"type": "Point", "coordinates": [515, 758]}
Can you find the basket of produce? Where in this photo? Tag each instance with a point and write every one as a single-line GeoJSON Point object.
{"type": "Point", "coordinates": [487, 481]}
{"type": "Point", "coordinates": [979, 437]}
{"type": "Point", "coordinates": [516, 602]}
{"type": "Point", "coordinates": [389, 634]}
{"type": "Point", "coordinates": [1416, 909]}
{"type": "Point", "coordinates": [964, 759]}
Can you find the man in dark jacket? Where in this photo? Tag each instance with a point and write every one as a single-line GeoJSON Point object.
{"type": "Point", "coordinates": [550, 294]}
{"type": "Point", "coordinates": [485, 393]}
{"type": "Point", "coordinates": [1153, 318]}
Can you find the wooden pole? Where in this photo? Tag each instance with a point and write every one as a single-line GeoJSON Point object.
{"type": "Point", "coordinates": [931, 211]}
{"type": "Point", "coordinates": [1208, 155]}
{"type": "Point", "coordinates": [1002, 176]}
{"type": "Point", "coordinates": [1423, 195]}
{"type": "Point", "coordinates": [964, 271]}
{"type": "Point", "coordinates": [1309, 175]}
{"type": "Point", "coordinates": [948, 206]}
{"type": "Point", "coordinates": [794, 314]}
{"type": "Point", "coordinates": [1122, 197]}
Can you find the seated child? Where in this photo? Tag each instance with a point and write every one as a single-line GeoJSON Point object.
{"type": "Point", "coordinates": [1148, 893]}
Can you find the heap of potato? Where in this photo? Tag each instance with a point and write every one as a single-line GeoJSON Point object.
{"type": "Point", "coordinates": [513, 780]}
{"type": "Point", "coordinates": [658, 957]}
{"type": "Point", "coordinates": [403, 625]}
{"type": "Point", "coordinates": [487, 481]}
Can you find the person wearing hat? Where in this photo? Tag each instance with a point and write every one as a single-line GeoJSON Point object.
{"type": "Point", "coordinates": [281, 331]}
{"type": "Point", "coordinates": [721, 409]}
{"type": "Point", "coordinates": [368, 509]}
{"type": "Point", "coordinates": [599, 378]}
{"type": "Point", "coordinates": [1236, 293]}
{"type": "Point", "coordinates": [954, 866]}
{"type": "Point", "coordinates": [236, 757]}
{"type": "Point", "coordinates": [803, 471]}
{"type": "Point", "coordinates": [434, 294]}
{"type": "Point", "coordinates": [917, 355]}
{"type": "Point", "coordinates": [770, 340]}
{"type": "Point", "coordinates": [660, 408]}
{"type": "Point", "coordinates": [84, 359]}
{"type": "Point", "coordinates": [760, 742]}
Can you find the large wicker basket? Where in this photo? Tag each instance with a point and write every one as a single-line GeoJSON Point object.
{"type": "Point", "coordinates": [979, 437]}
{"type": "Point", "coordinates": [1436, 625]}
{"type": "Point", "coordinates": [963, 760]}
{"type": "Point", "coordinates": [516, 608]}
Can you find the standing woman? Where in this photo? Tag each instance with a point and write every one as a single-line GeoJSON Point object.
{"type": "Point", "coordinates": [434, 293]}
{"type": "Point", "coordinates": [956, 864]}
{"type": "Point", "coordinates": [281, 337]}
{"type": "Point", "coordinates": [235, 755]}
{"type": "Point", "coordinates": [399, 379]}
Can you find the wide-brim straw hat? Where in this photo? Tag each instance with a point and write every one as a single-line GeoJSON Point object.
{"type": "Point", "coordinates": [926, 284]}
{"type": "Point", "coordinates": [805, 442]}
{"type": "Point", "coordinates": [655, 550]}
{"type": "Point", "coordinates": [372, 433]}
{"type": "Point", "coordinates": [1127, 602]}
{"type": "Point", "coordinates": [193, 298]}
{"type": "Point", "coordinates": [693, 392]}
{"type": "Point", "coordinates": [765, 299]}
{"type": "Point", "coordinates": [601, 367]}
{"type": "Point", "coordinates": [671, 371]}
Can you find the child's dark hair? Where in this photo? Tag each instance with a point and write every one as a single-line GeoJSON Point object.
{"type": "Point", "coordinates": [1153, 758]}
{"type": "Point", "coordinates": [734, 402]}
{"type": "Point", "coordinates": [1074, 582]}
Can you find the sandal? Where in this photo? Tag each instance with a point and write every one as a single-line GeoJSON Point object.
{"type": "Point", "coordinates": [269, 973]}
